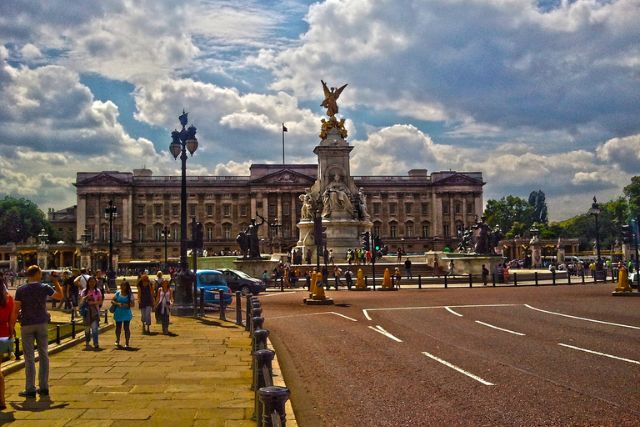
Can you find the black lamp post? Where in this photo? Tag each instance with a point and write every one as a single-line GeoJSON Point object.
{"type": "Point", "coordinates": [111, 212]}
{"type": "Point", "coordinates": [165, 235]}
{"type": "Point", "coordinates": [595, 211]}
{"type": "Point", "coordinates": [181, 142]}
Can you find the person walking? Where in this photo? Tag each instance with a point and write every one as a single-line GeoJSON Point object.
{"type": "Point", "coordinates": [123, 300]}
{"type": "Point", "coordinates": [90, 302]}
{"type": "Point", "coordinates": [164, 300]}
{"type": "Point", "coordinates": [7, 335]}
{"type": "Point", "coordinates": [398, 276]}
{"type": "Point", "coordinates": [348, 278]}
{"type": "Point", "coordinates": [407, 268]}
{"type": "Point", "coordinates": [31, 303]}
{"type": "Point", "coordinates": [145, 296]}
{"type": "Point", "coordinates": [337, 272]}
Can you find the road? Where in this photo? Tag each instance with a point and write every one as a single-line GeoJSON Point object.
{"type": "Point", "coordinates": [566, 355]}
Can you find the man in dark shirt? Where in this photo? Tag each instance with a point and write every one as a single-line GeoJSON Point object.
{"type": "Point", "coordinates": [407, 268]}
{"type": "Point", "coordinates": [31, 305]}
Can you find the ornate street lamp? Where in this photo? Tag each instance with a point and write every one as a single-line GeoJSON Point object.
{"type": "Point", "coordinates": [595, 211]}
{"type": "Point", "coordinates": [181, 142]}
{"type": "Point", "coordinates": [44, 238]}
{"type": "Point", "coordinates": [165, 234]}
{"type": "Point", "coordinates": [111, 212]}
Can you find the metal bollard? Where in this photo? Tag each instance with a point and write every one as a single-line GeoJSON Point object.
{"type": "Point", "coordinates": [247, 325]}
{"type": "Point", "coordinates": [106, 316]}
{"type": "Point", "coordinates": [470, 280]}
{"type": "Point", "coordinates": [202, 302]}
{"type": "Point", "coordinates": [273, 399]}
{"type": "Point", "coordinates": [239, 308]}
{"type": "Point", "coordinates": [260, 339]}
{"type": "Point", "coordinates": [393, 281]}
{"type": "Point", "coordinates": [535, 276]}
{"type": "Point", "coordinates": [493, 279]}
{"type": "Point", "coordinates": [17, 351]}
{"type": "Point", "coordinates": [257, 323]}
{"type": "Point", "coordinates": [223, 309]}
{"type": "Point", "coordinates": [446, 285]}
{"type": "Point", "coordinates": [262, 362]}
{"type": "Point", "coordinates": [582, 277]}
{"type": "Point", "coordinates": [568, 278]}
{"type": "Point", "coordinates": [553, 277]}
{"type": "Point", "coordinates": [73, 313]}
{"type": "Point", "coordinates": [366, 282]}
{"type": "Point", "coordinates": [419, 281]}
{"type": "Point", "coordinates": [73, 329]}
{"type": "Point", "coordinates": [58, 334]}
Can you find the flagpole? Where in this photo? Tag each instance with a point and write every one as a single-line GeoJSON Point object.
{"type": "Point", "coordinates": [283, 128]}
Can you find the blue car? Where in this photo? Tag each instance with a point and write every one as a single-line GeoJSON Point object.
{"type": "Point", "coordinates": [212, 281]}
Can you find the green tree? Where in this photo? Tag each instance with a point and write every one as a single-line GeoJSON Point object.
{"type": "Point", "coordinates": [632, 192]}
{"type": "Point", "coordinates": [20, 219]}
{"type": "Point", "coordinates": [512, 214]}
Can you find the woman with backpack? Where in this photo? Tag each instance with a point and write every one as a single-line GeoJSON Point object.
{"type": "Point", "coordinates": [122, 315]}
{"type": "Point", "coordinates": [164, 300]}
{"type": "Point", "coordinates": [90, 300]}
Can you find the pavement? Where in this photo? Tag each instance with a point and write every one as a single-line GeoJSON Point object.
{"type": "Point", "coordinates": [199, 376]}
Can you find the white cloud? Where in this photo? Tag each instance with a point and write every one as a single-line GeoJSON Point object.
{"type": "Point", "coordinates": [622, 152]}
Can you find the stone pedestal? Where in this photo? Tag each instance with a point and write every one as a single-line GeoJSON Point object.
{"type": "Point", "coordinates": [43, 258]}
{"type": "Point", "coordinates": [468, 263]}
{"type": "Point", "coordinates": [255, 267]}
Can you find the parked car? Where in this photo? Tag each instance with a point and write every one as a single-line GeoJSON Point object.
{"type": "Point", "coordinates": [240, 281]}
{"type": "Point", "coordinates": [212, 281]}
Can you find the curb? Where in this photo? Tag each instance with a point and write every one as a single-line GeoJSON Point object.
{"type": "Point", "coordinates": [278, 380]}
{"type": "Point", "coordinates": [53, 348]}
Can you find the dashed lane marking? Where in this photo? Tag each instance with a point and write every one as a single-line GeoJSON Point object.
{"type": "Point", "coordinates": [380, 330]}
{"type": "Point", "coordinates": [582, 318]}
{"type": "Point", "coordinates": [453, 312]}
{"type": "Point", "coordinates": [499, 328]}
{"type": "Point", "coordinates": [600, 354]}
{"type": "Point", "coordinates": [454, 367]}
{"type": "Point", "coordinates": [313, 314]}
{"type": "Point", "coordinates": [368, 317]}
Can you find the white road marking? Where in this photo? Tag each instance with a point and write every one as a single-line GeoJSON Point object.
{"type": "Point", "coordinates": [600, 354]}
{"type": "Point", "coordinates": [452, 366]}
{"type": "Point", "coordinates": [380, 330]}
{"type": "Point", "coordinates": [342, 315]}
{"type": "Point", "coordinates": [500, 329]}
{"type": "Point", "coordinates": [582, 318]}
{"type": "Point", "coordinates": [367, 310]}
{"type": "Point", "coordinates": [313, 314]}
{"type": "Point", "coordinates": [453, 312]}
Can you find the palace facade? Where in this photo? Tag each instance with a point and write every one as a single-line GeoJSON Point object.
{"type": "Point", "coordinates": [418, 211]}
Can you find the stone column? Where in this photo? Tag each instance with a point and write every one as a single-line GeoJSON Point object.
{"type": "Point", "coordinates": [81, 218]}
{"type": "Point", "coordinates": [477, 204]}
{"type": "Point", "coordinates": [292, 214]}
{"type": "Point", "coordinates": [464, 210]}
{"type": "Point", "coordinates": [127, 217]}
{"type": "Point", "coordinates": [254, 211]}
{"type": "Point", "coordinates": [436, 215]}
{"type": "Point", "coordinates": [452, 215]}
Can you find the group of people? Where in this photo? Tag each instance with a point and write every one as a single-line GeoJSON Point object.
{"type": "Point", "coordinates": [29, 307]}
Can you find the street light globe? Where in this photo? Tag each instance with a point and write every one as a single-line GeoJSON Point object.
{"type": "Point", "coordinates": [192, 145]}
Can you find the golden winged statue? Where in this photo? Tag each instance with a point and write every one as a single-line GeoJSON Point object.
{"type": "Point", "coordinates": [331, 98]}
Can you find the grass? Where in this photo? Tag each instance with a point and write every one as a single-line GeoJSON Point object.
{"type": "Point", "coordinates": [65, 330]}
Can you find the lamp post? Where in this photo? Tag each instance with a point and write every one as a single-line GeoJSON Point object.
{"type": "Point", "coordinates": [595, 211]}
{"type": "Point", "coordinates": [110, 212]}
{"type": "Point", "coordinates": [181, 142]}
{"type": "Point", "coordinates": [165, 235]}
{"type": "Point", "coordinates": [273, 229]}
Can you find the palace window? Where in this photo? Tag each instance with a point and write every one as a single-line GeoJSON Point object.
{"type": "Point", "coordinates": [157, 231]}
{"type": "Point", "coordinates": [272, 210]}
{"type": "Point", "coordinates": [175, 210]}
{"type": "Point", "coordinates": [445, 208]}
{"type": "Point", "coordinates": [209, 233]}
{"type": "Point", "coordinates": [117, 233]}
{"type": "Point", "coordinates": [470, 206]}
{"type": "Point", "coordinates": [286, 210]}
{"type": "Point", "coordinates": [376, 229]}
{"type": "Point", "coordinates": [425, 231]}
{"type": "Point", "coordinates": [408, 208]}
{"type": "Point", "coordinates": [409, 230]}
{"type": "Point", "coordinates": [91, 210]}
{"type": "Point", "coordinates": [140, 211]}
{"type": "Point", "coordinates": [157, 211]}
{"type": "Point", "coordinates": [458, 208]}
{"type": "Point", "coordinates": [209, 210]}
{"type": "Point", "coordinates": [393, 231]}
{"type": "Point", "coordinates": [376, 208]}
{"type": "Point", "coordinates": [226, 231]}
{"type": "Point", "coordinates": [175, 232]}
{"type": "Point", "coordinates": [393, 207]}
{"type": "Point", "coordinates": [286, 230]}
{"type": "Point", "coordinates": [141, 233]}
{"type": "Point", "coordinates": [192, 210]}
{"type": "Point", "coordinates": [104, 232]}
{"type": "Point", "coordinates": [226, 210]}
{"type": "Point", "coordinates": [425, 208]}
{"type": "Point", "coordinates": [243, 210]}
{"type": "Point", "coordinates": [446, 230]}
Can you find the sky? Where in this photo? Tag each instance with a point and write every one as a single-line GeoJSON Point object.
{"type": "Point", "coordinates": [533, 94]}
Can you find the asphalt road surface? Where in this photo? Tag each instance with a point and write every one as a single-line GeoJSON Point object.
{"type": "Point", "coordinates": [565, 355]}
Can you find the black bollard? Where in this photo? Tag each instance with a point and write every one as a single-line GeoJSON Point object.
{"type": "Point", "coordinates": [223, 308]}
{"type": "Point", "coordinates": [273, 399]}
{"type": "Point", "coordinates": [515, 279]}
{"type": "Point", "coordinates": [239, 308]}
{"type": "Point", "coordinates": [106, 317]}
{"type": "Point", "coordinates": [260, 339]}
{"type": "Point", "coordinates": [493, 279]}
{"type": "Point", "coordinates": [419, 281]}
{"type": "Point", "coordinates": [247, 324]}
{"type": "Point", "coordinates": [470, 280]}
{"type": "Point", "coordinates": [535, 276]}
{"type": "Point", "coordinates": [58, 334]}
{"type": "Point", "coordinates": [582, 277]}
{"type": "Point", "coordinates": [257, 323]}
{"type": "Point", "coordinates": [568, 278]}
{"type": "Point", "coordinates": [446, 285]}
{"type": "Point", "coordinates": [262, 359]}
{"type": "Point", "coordinates": [553, 277]}
{"type": "Point", "coordinates": [17, 352]}
{"type": "Point", "coordinates": [73, 329]}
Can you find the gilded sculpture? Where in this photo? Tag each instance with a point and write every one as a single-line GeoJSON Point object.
{"type": "Point", "coordinates": [330, 98]}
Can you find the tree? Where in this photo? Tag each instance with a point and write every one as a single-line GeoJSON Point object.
{"type": "Point", "coordinates": [511, 213]}
{"type": "Point", "coordinates": [20, 219]}
{"type": "Point", "coordinates": [632, 192]}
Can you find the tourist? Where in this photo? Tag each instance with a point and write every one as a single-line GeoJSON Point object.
{"type": "Point", "coordinates": [90, 301]}
{"type": "Point", "coordinates": [145, 297]}
{"type": "Point", "coordinates": [123, 300]}
{"type": "Point", "coordinates": [452, 268]}
{"type": "Point", "coordinates": [337, 272]}
{"type": "Point", "coordinates": [265, 277]}
{"type": "Point", "coordinates": [31, 303]}
{"type": "Point", "coordinates": [398, 276]}
{"type": "Point", "coordinates": [436, 267]}
{"type": "Point", "coordinates": [348, 277]}
{"type": "Point", "coordinates": [7, 332]}
{"type": "Point", "coordinates": [407, 268]}
{"type": "Point", "coordinates": [157, 282]}
{"type": "Point", "coordinates": [164, 300]}
{"type": "Point", "coordinates": [331, 256]}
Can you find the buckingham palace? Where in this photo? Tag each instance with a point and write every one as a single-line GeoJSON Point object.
{"type": "Point", "coordinates": [416, 212]}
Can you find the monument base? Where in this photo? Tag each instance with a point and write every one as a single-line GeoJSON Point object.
{"type": "Point", "coordinates": [342, 235]}
{"type": "Point", "coordinates": [469, 263]}
{"type": "Point", "coordinates": [310, 301]}
{"type": "Point", "coordinates": [255, 267]}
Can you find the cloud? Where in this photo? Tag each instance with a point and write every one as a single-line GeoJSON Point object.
{"type": "Point", "coordinates": [622, 152]}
